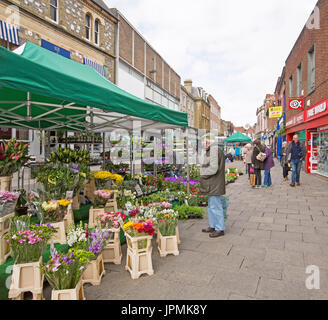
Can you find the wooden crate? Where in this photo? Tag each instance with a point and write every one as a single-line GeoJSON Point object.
{"type": "Point", "coordinates": [167, 245]}
{"type": "Point", "coordinates": [26, 277]}
{"type": "Point", "coordinates": [113, 252]}
{"type": "Point", "coordinates": [69, 217]}
{"type": "Point", "coordinates": [70, 294]}
{"type": "Point", "coordinates": [139, 260]}
{"type": "Point", "coordinates": [60, 235]}
{"type": "Point", "coordinates": [93, 214]}
{"type": "Point", "coordinates": [76, 202]}
{"type": "Point", "coordinates": [5, 223]}
{"type": "Point", "coordinates": [89, 189]}
{"type": "Point", "coordinates": [111, 205]}
{"type": "Point", "coordinates": [5, 183]}
{"type": "Point", "coordinates": [5, 251]}
{"type": "Point", "coordinates": [177, 234]}
{"type": "Point", "coordinates": [94, 271]}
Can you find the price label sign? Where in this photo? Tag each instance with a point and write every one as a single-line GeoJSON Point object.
{"type": "Point", "coordinates": [139, 191]}
{"type": "Point", "coordinates": [120, 220]}
{"type": "Point", "coordinates": [186, 202]}
{"type": "Point", "coordinates": [128, 206]}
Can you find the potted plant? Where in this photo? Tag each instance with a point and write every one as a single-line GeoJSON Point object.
{"type": "Point", "coordinates": [13, 156]}
{"type": "Point", "coordinates": [27, 243]}
{"type": "Point", "coordinates": [64, 272]}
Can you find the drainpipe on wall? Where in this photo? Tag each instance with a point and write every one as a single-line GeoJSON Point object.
{"type": "Point", "coordinates": [117, 50]}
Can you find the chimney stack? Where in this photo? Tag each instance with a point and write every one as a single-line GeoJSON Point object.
{"type": "Point", "coordinates": [188, 85]}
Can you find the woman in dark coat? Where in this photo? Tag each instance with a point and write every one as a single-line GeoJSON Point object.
{"type": "Point", "coordinates": [284, 161]}
{"type": "Point", "coordinates": [257, 164]}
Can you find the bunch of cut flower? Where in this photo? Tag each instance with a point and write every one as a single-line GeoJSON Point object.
{"type": "Point", "coordinates": [54, 211]}
{"type": "Point", "coordinates": [161, 205]}
{"type": "Point", "coordinates": [108, 220]}
{"type": "Point", "coordinates": [167, 221]}
{"type": "Point", "coordinates": [149, 212]}
{"type": "Point", "coordinates": [63, 271]}
{"type": "Point", "coordinates": [80, 237]}
{"type": "Point", "coordinates": [101, 197]}
{"type": "Point", "coordinates": [103, 178]}
{"type": "Point", "coordinates": [27, 241]}
{"type": "Point", "coordinates": [7, 202]}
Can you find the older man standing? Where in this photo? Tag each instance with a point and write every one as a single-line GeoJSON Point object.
{"type": "Point", "coordinates": [295, 154]}
{"type": "Point", "coordinates": [212, 183]}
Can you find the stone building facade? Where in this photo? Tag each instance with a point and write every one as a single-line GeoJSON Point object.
{"type": "Point", "coordinates": [187, 105]}
{"type": "Point", "coordinates": [215, 116]}
{"type": "Point", "coordinates": [202, 109]}
{"type": "Point", "coordinates": [63, 24]}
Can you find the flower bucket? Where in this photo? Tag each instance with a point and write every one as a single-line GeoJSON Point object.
{"type": "Point", "coordinates": [113, 252]}
{"type": "Point", "coordinates": [26, 277]}
{"type": "Point", "coordinates": [60, 235]}
{"type": "Point", "coordinates": [5, 183]}
{"type": "Point", "coordinates": [94, 271]}
{"type": "Point", "coordinates": [93, 213]}
{"type": "Point", "coordinates": [69, 294]}
{"type": "Point", "coordinates": [76, 202]}
{"type": "Point", "coordinates": [167, 245]}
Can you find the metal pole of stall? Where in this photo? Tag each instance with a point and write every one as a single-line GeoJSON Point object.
{"type": "Point", "coordinates": [188, 173]}
{"type": "Point", "coordinates": [104, 151]}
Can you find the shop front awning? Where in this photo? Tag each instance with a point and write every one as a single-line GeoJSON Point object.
{"type": "Point", "coordinates": [43, 90]}
{"type": "Point", "coordinates": [9, 32]}
{"type": "Point", "coordinates": [238, 137]}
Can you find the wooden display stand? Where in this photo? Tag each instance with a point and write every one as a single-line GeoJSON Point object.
{"type": "Point", "coordinates": [94, 271]}
{"type": "Point", "coordinates": [93, 214]}
{"type": "Point", "coordinates": [5, 251]}
{"type": "Point", "coordinates": [5, 223]}
{"type": "Point", "coordinates": [111, 205]}
{"type": "Point", "coordinates": [139, 261]}
{"type": "Point", "coordinates": [70, 294]}
{"type": "Point", "coordinates": [5, 183]}
{"type": "Point", "coordinates": [69, 217]}
{"type": "Point", "coordinates": [76, 202]}
{"type": "Point", "coordinates": [177, 234]}
{"type": "Point", "coordinates": [112, 252]}
{"type": "Point", "coordinates": [60, 235]}
{"type": "Point", "coordinates": [167, 245]}
{"type": "Point", "coordinates": [26, 277]}
{"type": "Point", "coordinates": [89, 190]}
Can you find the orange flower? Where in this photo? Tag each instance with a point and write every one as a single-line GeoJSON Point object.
{"type": "Point", "coordinates": [137, 226]}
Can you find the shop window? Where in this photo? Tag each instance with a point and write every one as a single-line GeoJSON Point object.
{"type": "Point", "coordinates": [87, 26]}
{"type": "Point", "coordinates": [311, 70]}
{"type": "Point", "coordinates": [97, 32]}
{"type": "Point", "coordinates": [22, 134]}
{"type": "Point", "coordinates": [54, 10]}
{"type": "Point", "coordinates": [291, 86]}
{"type": "Point", "coordinates": [299, 80]}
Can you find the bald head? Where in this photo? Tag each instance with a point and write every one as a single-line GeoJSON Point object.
{"type": "Point", "coordinates": [295, 138]}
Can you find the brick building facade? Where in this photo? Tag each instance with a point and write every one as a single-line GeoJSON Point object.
{"type": "Point", "coordinates": [142, 71]}
{"type": "Point", "coordinates": [215, 116]}
{"type": "Point", "coordinates": [306, 75]}
{"type": "Point", "coordinates": [187, 104]}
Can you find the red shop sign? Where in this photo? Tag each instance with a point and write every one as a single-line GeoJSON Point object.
{"type": "Point", "coordinates": [295, 103]}
{"type": "Point", "coordinates": [316, 111]}
{"type": "Point", "coordinates": [295, 120]}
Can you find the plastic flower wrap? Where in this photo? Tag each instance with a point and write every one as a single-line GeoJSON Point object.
{"type": "Point", "coordinates": [8, 202]}
{"type": "Point", "coordinates": [167, 221]}
{"type": "Point", "coordinates": [101, 197]}
{"type": "Point", "coordinates": [54, 211]}
{"type": "Point", "coordinates": [27, 245]}
{"type": "Point", "coordinates": [63, 271]}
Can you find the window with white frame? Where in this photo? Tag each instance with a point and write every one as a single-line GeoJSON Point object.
{"type": "Point", "coordinates": [54, 10]}
{"type": "Point", "coordinates": [299, 80]}
{"type": "Point", "coordinates": [87, 26]}
{"type": "Point", "coordinates": [96, 31]}
{"type": "Point", "coordinates": [311, 70]}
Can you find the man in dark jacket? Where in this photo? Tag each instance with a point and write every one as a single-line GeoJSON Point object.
{"type": "Point", "coordinates": [295, 154]}
{"type": "Point", "coordinates": [212, 183]}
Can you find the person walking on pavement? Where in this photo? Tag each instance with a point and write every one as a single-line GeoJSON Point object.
{"type": "Point", "coordinates": [237, 152]}
{"type": "Point", "coordinates": [268, 165]}
{"type": "Point", "coordinates": [284, 161]}
{"type": "Point", "coordinates": [212, 183]}
{"type": "Point", "coordinates": [296, 154]}
{"type": "Point", "coordinates": [247, 156]}
{"type": "Point", "coordinates": [257, 165]}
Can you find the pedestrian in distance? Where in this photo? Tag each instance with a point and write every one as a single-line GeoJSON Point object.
{"type": "Point", "coordinates": [212, 184]}
{"type": "Point", "coordinates": [237, 152]}
{"type": "Point", "coordinates": [247, 156]}
{"type": "Point", "coordinates": [296, 153]}
{"type": "Point", "coordinates": [284, 161]}
{"type": "Point", "coordinates": [257, 164]}
{"type": "Point", "coordinates": [268, 165]}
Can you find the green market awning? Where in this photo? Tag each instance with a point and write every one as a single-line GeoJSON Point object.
{"type": "Point", "coordinates": [42, 90]}
{"type": "Point", "coordinates": [238, 137]}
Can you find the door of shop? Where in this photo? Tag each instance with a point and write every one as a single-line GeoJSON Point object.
{"type": "Point", "coordinates": [314, 157]}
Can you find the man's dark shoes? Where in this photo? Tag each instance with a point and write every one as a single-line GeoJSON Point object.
{"type": "Point", "coordinates": [217, 234]}
{"type": "Point", "coordinates": [298, 184]}
{"type": "Point", "coordinates": [208, 230]}
{"type": "Point", "coordinates": [292, 184]}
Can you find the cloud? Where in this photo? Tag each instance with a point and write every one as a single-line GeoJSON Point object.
{"type": "Point", "coordinates": [235, 50]}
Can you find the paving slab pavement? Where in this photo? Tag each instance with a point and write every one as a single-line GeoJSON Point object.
{"type": "Point", "coordinates": [272, 235]}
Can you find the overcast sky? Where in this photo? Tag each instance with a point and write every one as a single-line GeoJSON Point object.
{"type": "Point", "coordinates": [235, 50]}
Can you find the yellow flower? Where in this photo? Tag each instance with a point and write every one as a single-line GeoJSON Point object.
{"type": "Point", "coordinates": [51, 181]}
{"type": "Point", "coordinates": [128, 225]}
{"type": "Point", "coordinates": [102, 175]}
{"type": "Point", "coordinates": [108, 191]}
{"type": "Point", "coordinates": [64, 202]}
{"type": "Point", "coordinates": [83, 174]}
{"type": "Point", "coordinates": [119, 179]}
